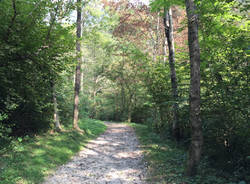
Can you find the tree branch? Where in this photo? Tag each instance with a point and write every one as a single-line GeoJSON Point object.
{"type": "Point", "coordinates": [12, 19]}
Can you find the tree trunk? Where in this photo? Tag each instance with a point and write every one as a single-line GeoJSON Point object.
{"type": "Point", "coordinates": [116, 107]}
{"type": "Point", "coordinates": [123, 101]}
{"type": "Point", "coordinates": [78, 67]}
{"type": "Point", "coordinates": [195, 119]}
{"type": "Point", "coordinates": [12, 20]}
{"type": "Point", "coordinates": [58, 127]}
{"type": "Point", "coordinates": [129, 109]}
{"type": "Point", "coordinates": [165, 52]}
{"type": "Point", "coordinates": [94, 104]}
{"type": "Point", "coordinates": [156, 41]}
{"type": "Point", "coordinates": [53, 16]}
{"type": "Point", "coordinates": [129, 114]}
{"type": "Point", "coordinates": [169, 33]}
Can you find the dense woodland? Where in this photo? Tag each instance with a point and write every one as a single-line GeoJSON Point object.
{"type": "Point", "coordinates": [179, 67]}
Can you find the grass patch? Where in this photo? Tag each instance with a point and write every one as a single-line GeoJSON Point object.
{"type": "Point", "coordinates": [166, 162]}
{"type": "Point", "coordinates": [33, 159]}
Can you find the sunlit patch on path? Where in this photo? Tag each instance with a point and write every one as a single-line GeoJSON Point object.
{"type": "Point", "coordinates": [113, 158]}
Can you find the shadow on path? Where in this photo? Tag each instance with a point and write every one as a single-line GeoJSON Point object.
{"type": "Point", "coordinates": [113, 158]}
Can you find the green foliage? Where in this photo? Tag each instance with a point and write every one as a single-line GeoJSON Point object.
{"type": "Point", "coordinates": [166, 161]}
{"type": "Point", "coordinates": [5, 130]}
{"type": "Point", "coordinates": [224, 43]}
{"type": "Point", "coordinates": [158, 84]}
{"type": "Point", "coordinates": [64, 93]}
{"type": "Point", "coordinates": [33, 158]}
{"type": "Point", "coordinates": [111, 85]}
{"type": "Point", "coordinates": [225, 89]}
{"type": "Point", "coordinates": [33, 53]}
{"type": "Point", "coordinates": [157, 5]}
{"type": "Point", "coordinates": [122, 82]}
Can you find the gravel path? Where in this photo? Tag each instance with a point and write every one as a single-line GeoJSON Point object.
{"type": "Point", "coordinates": [113, 158]}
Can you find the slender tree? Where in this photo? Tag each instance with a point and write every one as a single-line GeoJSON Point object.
{"type": "Point", "coordinates": [169, 34]}
{"type": "Point", "coordinates": [58, 127]}
{"type": "Point", "coordinates": [53, 16]}
{"type": "Point", "coordinates": [78, 67]}
{"type": "Point", "coordinates": [195, 119]}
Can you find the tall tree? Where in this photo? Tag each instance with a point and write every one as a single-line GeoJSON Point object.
{"type": "Point", "coordinates": [56, 114]}
{"type": "Point", "coordinates": [78, 67]}
{"type": "Point", "coordinates": [194, 101]}
{"type": "Point", "coordinates": [169, 34]}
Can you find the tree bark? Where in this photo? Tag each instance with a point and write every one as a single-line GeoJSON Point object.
{"type": "Point", "coordinates": [58, 127]}
{"type": "Point", "coordinates": [195, 119]}
{"type": "Point", "coordinates": [12, 20]}
{"type": "Point", "coordinates": [169, 33]}
{"type": "Point", "coordinates": [57, 124]}
{"type": "Point", "coordinates": [94, 98]}
{"type": "Point", "coordinates": [78, 67]}
{"type": "Point", "coordinates": [129, 113]}
{"type": "Point", "coordinates": [130, 103]}
{"type": "Point", "coordinates": [165, 52]}
{"type": "Point", "coordinates": [156, 41]}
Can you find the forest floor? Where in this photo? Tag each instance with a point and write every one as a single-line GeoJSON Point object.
{"type": "Point", "coordinates": [30, 159]}
{"type": "Point", "coordinates": [112, 158]}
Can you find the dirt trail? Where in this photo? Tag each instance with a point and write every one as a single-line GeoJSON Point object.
{"type": "Point", "coordinates": [113, 158]}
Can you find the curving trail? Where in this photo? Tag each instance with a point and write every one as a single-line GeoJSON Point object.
{"type": "Point", "coordinates": [113, 158]}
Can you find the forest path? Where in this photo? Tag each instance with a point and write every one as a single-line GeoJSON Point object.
{"type": "Point", "coordinates": [112, 158]}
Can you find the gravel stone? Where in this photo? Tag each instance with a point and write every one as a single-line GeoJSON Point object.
{"type": "Point", "coordinates": [112, 158]}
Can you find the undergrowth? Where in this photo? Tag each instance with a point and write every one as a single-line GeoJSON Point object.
{"type": "Point", "coordinates": [166, 162]}
{"type": "Point", "coordinates": [32, 159]}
